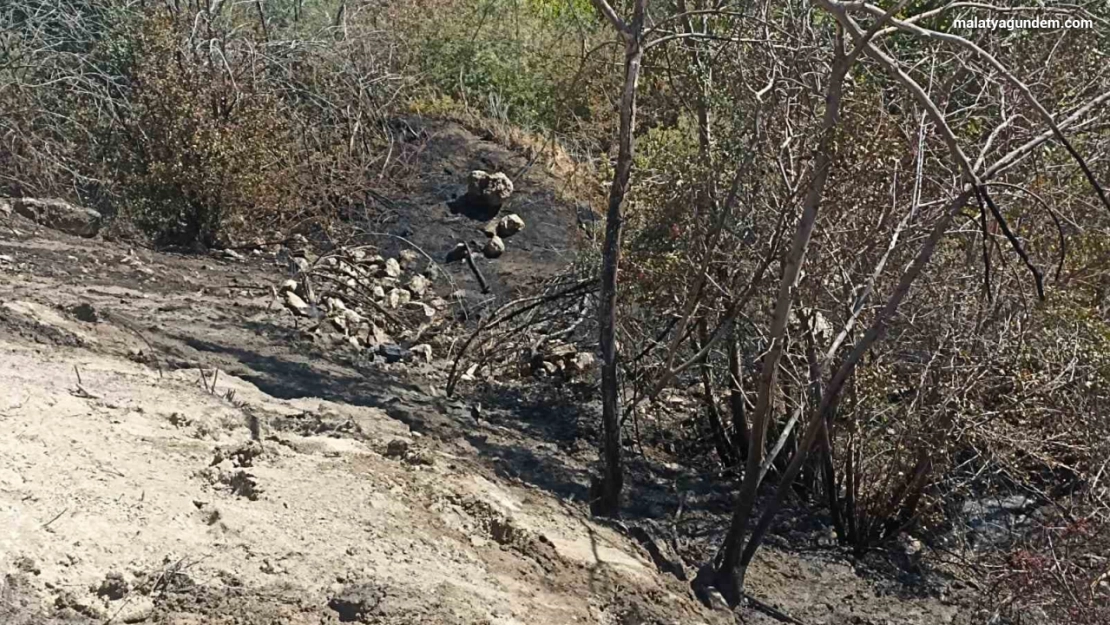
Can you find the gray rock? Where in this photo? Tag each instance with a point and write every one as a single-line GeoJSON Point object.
{"type": "Point", "coordinates": [392, 352]}
{"type": "Point", "coordinates": [85, 312]}
{"type": "Point", "coordinates": [59, 215]}
{"type": "Point", "coordinates": [357, 603]}
{"type": "Point", "coordinates": [114, 586]}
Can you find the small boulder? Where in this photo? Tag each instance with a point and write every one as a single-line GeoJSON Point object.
{"type": "Point", "coordinates": [494, 248]}
{"type": "Point", "coordinates": [392, 268]}
{"type": "Point", "coordinates": [509, 225]}
{"type": "Point", "coordinates": [294, 303]}
{"type": "Point", "coordinates": [288, 285]}
{"type": "Point", "coordinates": [485, 194]}
{"type": "Point", "coordinates": [418, 285]}
{"type": "Point", "coordinates": [59, 215]}
{"type": "Point", "coordinates": [397, 448]}
{"type": "Point", "coordinates": [491, 189]}
{"type": "Point", "coordinates": [392, 352]}
{"type": "Point", "coordinates": [114, 586]}
{"type": "Point", "coordinates": [398, 297]}
{"type": "Point", "coordinates": [356, 604]}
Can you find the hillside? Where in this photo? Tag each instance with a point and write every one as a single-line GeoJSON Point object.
{"type": "Point", "coordinates": [132, 491]}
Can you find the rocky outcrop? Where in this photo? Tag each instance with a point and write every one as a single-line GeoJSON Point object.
{"type": "Point", "coordinates": [58, 215]}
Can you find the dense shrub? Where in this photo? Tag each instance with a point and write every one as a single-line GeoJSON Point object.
{"type": "Point", "coordinates": [195, 126]}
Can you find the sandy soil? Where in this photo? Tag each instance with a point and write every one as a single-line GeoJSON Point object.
{"type": "Point", "coordinates": [130, 489]}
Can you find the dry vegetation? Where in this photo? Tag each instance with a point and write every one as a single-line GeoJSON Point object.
{"type": "Point", "coordinates": [844, 231]}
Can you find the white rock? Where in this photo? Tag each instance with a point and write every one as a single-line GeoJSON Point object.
{"type": "Point", "coordinates": [408, 258]}
{"type": "Point", "coordinates": [494, 248]}
{"type": "Point", "coordinates": [418, 285]}
{"type": "Point", "coordinates": [294, 303]}
{"type": "Point", "coordinates": [509, 225]}
{"type": "Point", "coordinates": [398, 297]}
{"type": "Point", "coordinates": [392, 268]}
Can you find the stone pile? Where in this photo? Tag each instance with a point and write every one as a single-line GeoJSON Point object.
{"type": "Point", "coordinates": [353, 298]}
{"type": "Point", "coordinates": [485, 194]}
{"type": "Point", "coordinates": [559, 359]}
{"type": "Point", "coordinates": [498, 231]}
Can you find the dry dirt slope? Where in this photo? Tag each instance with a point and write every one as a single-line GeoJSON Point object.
{"type": "Point", "coordinates": [130, 495]}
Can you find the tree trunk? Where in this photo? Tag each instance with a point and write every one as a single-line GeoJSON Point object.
{"type": "Point", "coordinates": [607, 501]}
